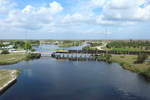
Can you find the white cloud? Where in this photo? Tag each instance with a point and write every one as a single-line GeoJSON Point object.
{"type": "Point", "coordinates": [98, 3]}
{"type": "Point", "coordinates": [55, 7]}
{"type": "Point", "coordinates": [124, 12]}
{"type": "Point", "coordinates": [6, 6]}
{"type": "Point", "coordinates": [33, 18]}
{"type": "Point", "coordinates": [77, 18]}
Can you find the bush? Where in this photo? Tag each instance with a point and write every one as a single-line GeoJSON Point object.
{"type": "Point", "coordinates": [32, 50]}
{"type": "Point", "coordinates": [146, 73]}
{"type": "Point", "coordinates": [33, 56]}
{"type": "Point", "coordinates": [121, 56]}
{"type": "Point", "coordinates": [141, 58]}
{"type": "Point", "coordinates": [5, 51]}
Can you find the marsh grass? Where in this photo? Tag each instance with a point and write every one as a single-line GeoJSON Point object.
{"type": "Point", "coordinates": [127, 62]}
{"type": "Point", "coordinates": [11, 58]}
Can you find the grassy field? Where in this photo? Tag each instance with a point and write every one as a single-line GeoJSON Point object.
{"type": "Point", "coordinates": [11, 58]}
{"type": "Point", "coordinates": [7, 75]}
{"type": "Point", "coordinates": [126, 49]}
{"type": "Point", "coordinates": [127, 62]}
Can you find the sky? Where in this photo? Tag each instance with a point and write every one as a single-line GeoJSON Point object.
{"type": "Point", "coordinates": [74, 19]}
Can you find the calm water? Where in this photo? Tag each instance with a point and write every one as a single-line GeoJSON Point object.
{"type": "Point", "coordinates": [49, 79]}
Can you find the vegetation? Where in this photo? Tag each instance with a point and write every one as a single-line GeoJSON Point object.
{"type": "Point", "coordinates": [141, 58]}
{"type": "Point", "coordinates": [129, 45]}
{"type": "Point", "coordinates": [95, 44]}
{"type": "Point", "coordinates": [33, 56]}
{"type": "Point", "coordinates": [11, 58]}
{"type": "Point", "coordinates": [7, 75]}
{"type": "Point", "coordinates": [5, 51]}
{"type": "Point", "coordinates": [18, 44]}
{"type": "Point", "coordinates": [27, 46]}
{"type": "Point", "coordinates": [126, 49]}
{"type": "Point", "coordinates": [34, 42]}
{"type": "Point", "coordinates": [1, 44]}
{"type": "Point", "coordinates": [32, 50]}
{"type": "Point", "coordinates": [146, 73]}
{"type": "Point", "coordinates": [128, 62]}
{"type": "Point", "coordinates": [105, 57]}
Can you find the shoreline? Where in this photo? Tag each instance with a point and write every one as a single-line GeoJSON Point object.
{"type": "Point", "coordinates": [127, 64]}
{"type": "Point", "coordinates": [12, 77]}
{"type": "Point", "coordinates": [15, 58]}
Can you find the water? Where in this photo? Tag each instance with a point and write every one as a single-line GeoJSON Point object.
{"type": "Point", "coordinates": [50, 79]}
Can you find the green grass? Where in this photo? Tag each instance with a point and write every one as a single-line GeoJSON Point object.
{"type": "Point", "coordinates": [11, 58]}
{"type": "Point", "coordinates": [127, 62]}
{"type": "Point", "coordinates": [126, 49]}
{"type": "Point", "coordinates": [6, 76]}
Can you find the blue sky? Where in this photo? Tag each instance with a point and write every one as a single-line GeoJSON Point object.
{"type": "Point", "coordinates": [74, 19]}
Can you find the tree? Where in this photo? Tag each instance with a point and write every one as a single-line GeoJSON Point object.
{"type": "Point", "coordinates": [1, 45]}
{"type": "Point", "coordinates": [108, 58]}
{"type": "Point", "coordinates": [5, 51]}
{"type": "Point", "coordinates": [141, 58]}
{"type": "Point", "coordinates": [19, 44]}
{"type": "Point", "coordinates": [27, 46]}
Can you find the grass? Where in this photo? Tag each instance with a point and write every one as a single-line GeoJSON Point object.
{"type": "Point", "coordinates": [11, 58]}
{"type": "Point", "coordinates": [127, 49]}
{"type": "Point", "coordinates": [7, 75]}
{"type": "Point", "coordinates": [127, 62]}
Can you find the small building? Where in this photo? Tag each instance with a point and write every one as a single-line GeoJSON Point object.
{"type": "Point", "coordinates": [8, 47]}
{"type": "Point", "coordinates": [6, 43]}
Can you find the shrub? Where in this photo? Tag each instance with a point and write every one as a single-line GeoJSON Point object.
{"type": "Point", "coordinates": [141, 58]}
{"type": "Point", "coordinates": [121, 56]}
{"type": "Point", "coordinates": [5, 51]}
{"type": "Point", "coordinates": [33, 56]}
{"type": "Point", "coordinates": [32, 50]}
{"type": "Point", "coordinates": [146, 73]}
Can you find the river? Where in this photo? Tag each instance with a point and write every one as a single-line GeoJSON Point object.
{"type": "Point", "coordinates": [51, 79]}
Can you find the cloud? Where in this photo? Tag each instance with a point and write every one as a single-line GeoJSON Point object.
{"type": "Point", "coordinates": [6, 5]}
{"type": "Point", "coordinates": [33, 18]}
{"type": "Point", "coordinates": [124, 12]}
{"type": "Point", "coordinates": [98, 3]}
{"type": "Point", "coordinates": [55, 7]}
{"type": "Point", "coordinates": [77, 18]}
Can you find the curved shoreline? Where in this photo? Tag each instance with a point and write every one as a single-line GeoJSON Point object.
{"type": "Point", "coordinates": [13, 74]}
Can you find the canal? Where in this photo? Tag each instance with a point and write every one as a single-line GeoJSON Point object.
{"type": "Point", "coordinates": [51, 79]}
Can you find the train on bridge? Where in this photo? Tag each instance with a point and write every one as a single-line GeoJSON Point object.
{"type": "Point", "coordinates": [103, 51]}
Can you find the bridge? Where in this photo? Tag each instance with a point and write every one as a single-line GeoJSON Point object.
{"type": "Point", "coordinates": [49, 53]}
{"type": "Point", "coordinates": [106, 51]}
{"type": "Point", "coordinates": [45, 53]}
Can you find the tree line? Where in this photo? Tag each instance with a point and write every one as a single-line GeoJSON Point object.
{"type": "Point", "coordinates": [129, 44]}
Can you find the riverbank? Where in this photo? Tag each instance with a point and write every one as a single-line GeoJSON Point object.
{"type": "Point", "coordinates": [127, 62]}
{"type": "Point", "coordinates": [12, 58]}
{"type": "Point", "coordinates": [7, 77]}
